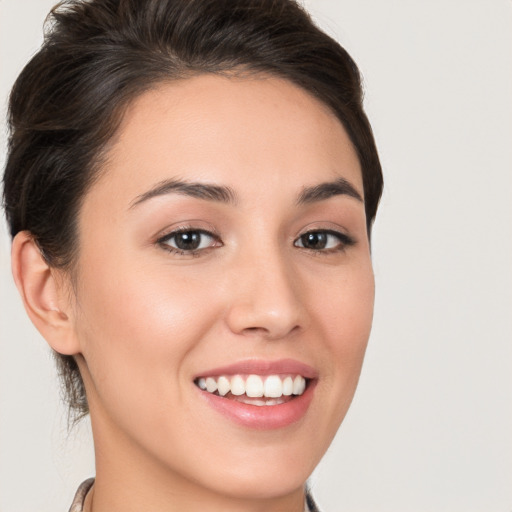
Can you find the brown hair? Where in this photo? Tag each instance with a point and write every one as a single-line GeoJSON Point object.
{"type": "Point", "coordinates": [98, 55]}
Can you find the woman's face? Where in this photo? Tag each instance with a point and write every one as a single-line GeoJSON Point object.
{"type": "Point", "coordinates": [225, 237]}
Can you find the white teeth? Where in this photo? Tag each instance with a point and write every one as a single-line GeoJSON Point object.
{"type": "Point", "coordinates": [223, 386]}
{"type": "Point", "coordinates": [211, 385]}
{"type": "Point", "coordinates": [287, 386]}
{"type": "Point", "coordinates": [273, 387]}
{"type": "Point", "coordinates": [237, 386]}
{"type": "Point", "coordinates": [255, 386]}
{"type": "Point", "coordinates": [299, 385]}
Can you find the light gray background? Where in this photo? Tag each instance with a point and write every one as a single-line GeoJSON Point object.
{"type": "Point", "coordinates": [430, 428]}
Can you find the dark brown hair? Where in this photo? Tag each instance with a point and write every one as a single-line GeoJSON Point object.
{"type": "Point", "coordinates": [98, 55]}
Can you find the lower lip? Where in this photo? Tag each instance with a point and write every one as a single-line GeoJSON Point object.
{"type": "Point", "coordinates": [265, 417]}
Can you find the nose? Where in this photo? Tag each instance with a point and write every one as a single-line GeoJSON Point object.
{"type": "Point", "coordinates": [266, 299]}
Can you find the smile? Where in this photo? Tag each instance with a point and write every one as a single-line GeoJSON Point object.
{"type": "Point", "coordinates": [259, 394]}
{"type": "Point", "coordinates": [255, 389]}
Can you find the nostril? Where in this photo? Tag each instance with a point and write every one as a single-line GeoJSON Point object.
{"type": "Point", "coordinates": [270, 333]}
{"type": "Point", "coordinates": [256, 331]}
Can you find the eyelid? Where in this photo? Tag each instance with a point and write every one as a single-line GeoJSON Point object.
{"type": "Point", "coordinates": [190, 226]}
{"type": "Point", "coordinates": [326, 227]}
{"type": "Point", "coordinates": [345, 240]}
{"type": "Point", "coordinates": [334, 232]}
{"type": "Point", "coordinates": [176, 232]}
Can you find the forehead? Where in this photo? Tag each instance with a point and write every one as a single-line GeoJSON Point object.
{"type": "Point", "coordinates": [241, 132]}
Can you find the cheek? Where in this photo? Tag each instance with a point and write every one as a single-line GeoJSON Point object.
{"type": "Point", "coordinates": [137, 330]}
{"type": "Point", "coordinates": [344, 307]}
{"type": "Point", "coordinates": [136, 326]}
{"type": "Point", "coordinates": [345, 312]}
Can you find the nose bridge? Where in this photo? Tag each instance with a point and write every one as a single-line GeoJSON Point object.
{"type": "Point", "coordinates": [266, 298]}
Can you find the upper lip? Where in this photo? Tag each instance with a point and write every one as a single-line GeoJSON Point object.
{"type": "Point", "coordinates": [263, 367]}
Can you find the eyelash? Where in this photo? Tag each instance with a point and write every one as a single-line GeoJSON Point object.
{"type": "Point", "coordinates": [163, 241]}
{"type": "Point", "coordinates": [344, 241]}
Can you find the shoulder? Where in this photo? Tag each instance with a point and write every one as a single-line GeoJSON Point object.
{"type": "Point", "coordinates": [81, 493]}
{"type": "Point", "coordinates": [310, 503]}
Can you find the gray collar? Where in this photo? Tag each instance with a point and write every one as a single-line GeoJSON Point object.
{"type": "Point", "coordinates": [81, 493]}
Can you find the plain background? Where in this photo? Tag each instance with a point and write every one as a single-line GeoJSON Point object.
{"type": "Point", "coordinates": [430, 429]}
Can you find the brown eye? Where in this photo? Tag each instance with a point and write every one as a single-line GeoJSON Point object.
{"type": "Point", "coordinates": [189, 240]}
{"type": "Point", "coordinates": [323, 240]}
{"type": "Point", "coordinates": [316, 241]}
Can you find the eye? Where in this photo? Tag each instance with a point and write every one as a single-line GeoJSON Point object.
{"type": "Point", "coordinates": [324, 240]}
{"type": "Point", "coordinates": [189, 240]}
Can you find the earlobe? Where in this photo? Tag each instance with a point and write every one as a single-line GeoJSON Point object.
{"type": "Point", "coordinates": [43, 294]}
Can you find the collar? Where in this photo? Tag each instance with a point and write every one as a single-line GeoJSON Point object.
{"type": "Point", "coordinates": [81, 493]}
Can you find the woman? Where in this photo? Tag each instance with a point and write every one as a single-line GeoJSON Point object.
{"type": "Point", "coordinates": [190, 188]}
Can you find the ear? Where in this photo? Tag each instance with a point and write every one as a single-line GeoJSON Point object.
{"type": "Point", "coordinates": [44, 294]}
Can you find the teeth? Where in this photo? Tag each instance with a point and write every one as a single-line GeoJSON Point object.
{"type": "Point", "coordinates": [211, 385]}
{"type": "Point", "coordinates": [255, 386]}
{"type": "Point", "coordinates": [223, 385]}
{"type": "Point", "coordinates": [273, 387]}
{"type": "Point", "coordinates": [299, 385]}
{"type": "Point", "coordinates": [237, 386]}
{"type": "Point", "coordinates": [287, 386]}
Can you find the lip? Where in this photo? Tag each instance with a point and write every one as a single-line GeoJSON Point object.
{"type": "Point", "coordinates": [260, 367]}
{"type": "Point", "coordinates": [263, 417]}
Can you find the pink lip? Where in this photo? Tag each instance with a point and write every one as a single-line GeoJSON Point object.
{"type": "Point", "coordinates": [263, 417]}
{"type": "Point", "coordinates": [260, 367]}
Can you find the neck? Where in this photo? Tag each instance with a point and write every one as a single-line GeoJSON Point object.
{"type": "Point", "coordinates": [102, 498]}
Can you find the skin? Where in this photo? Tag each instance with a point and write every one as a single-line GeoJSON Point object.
{"type": "Point", "coordinates": [142, 321]}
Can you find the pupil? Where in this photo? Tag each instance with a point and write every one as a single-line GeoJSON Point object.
{"type": "Point", "coordinates": [188, 241]}
{"type": "Point", "coordinates": [314, 240]}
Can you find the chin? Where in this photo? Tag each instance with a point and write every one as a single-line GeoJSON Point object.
{"type": "Point", "coordinates": [264, 472]}
{"type": "Point", "coordinates": [272, 482]}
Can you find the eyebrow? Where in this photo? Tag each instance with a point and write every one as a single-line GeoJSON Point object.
{"type": "Point", "coordinates": [218, 193]}
{"type": "Point", "coordinates": [224, 194]}
{"type": "Point", "coordinates": [327, 190]}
